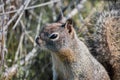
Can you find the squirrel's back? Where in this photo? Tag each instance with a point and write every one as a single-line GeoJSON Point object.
{"type": "Point", "coordinates": [106, 39]}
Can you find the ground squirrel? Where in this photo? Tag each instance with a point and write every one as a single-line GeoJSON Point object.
{"type": "Point", "coordinates": [70, 56]}
{"type": "Point", "coordinates": [106, 39]}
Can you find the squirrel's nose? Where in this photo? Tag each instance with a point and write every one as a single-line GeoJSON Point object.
{"type": "Point", "coordinates": [37, 40]}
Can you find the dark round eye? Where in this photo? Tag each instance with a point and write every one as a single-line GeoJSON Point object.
{"type": "Point", "coordinates": [63, 25]}
{"type": "Point", "coordinates": [53, 36]}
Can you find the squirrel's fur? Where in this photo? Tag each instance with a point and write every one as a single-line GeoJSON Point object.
{"type": "Point", "coordinates": [106, 39]}
{"type": "Point", "coordinates": [70, 56]}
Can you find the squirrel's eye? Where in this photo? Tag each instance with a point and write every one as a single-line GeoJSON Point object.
{"type": "Point", "coordinates": [63, 25]}
{"type": "Point", "coordinates": [53, 36]}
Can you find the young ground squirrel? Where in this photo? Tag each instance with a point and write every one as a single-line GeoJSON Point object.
{"type": "Point", "coordinates": [70, 56]}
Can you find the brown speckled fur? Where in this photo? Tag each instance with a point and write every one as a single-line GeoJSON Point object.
{"type": "Point", "coordinates": [106, 41]}
{"type": "Point", "coordinates": [106, 48]}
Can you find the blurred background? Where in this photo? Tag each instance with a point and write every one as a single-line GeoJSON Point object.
{"type": "Point", "coordinates": [20, 23]}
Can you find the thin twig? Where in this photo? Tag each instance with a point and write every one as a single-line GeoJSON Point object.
{"type": "Point", "coordinates": [21, 13]}
{"type": "Point", "coordinates": [19, 46]}
{"type": "Point", "coordinates": [26, 32]}
{"type": "Point", "coordinates": [34, 14]}
{"type": "Point", "coordinates": [3, 37]}
{"type": "Point", "coordinates": [38, 26]}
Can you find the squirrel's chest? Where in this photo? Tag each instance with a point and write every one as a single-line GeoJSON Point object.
{"type": "Point", "coordinates": [60, 70]}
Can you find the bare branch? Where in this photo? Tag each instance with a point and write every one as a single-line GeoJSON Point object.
{"type": "Point", "coordinates": [19, 46]}
{"type": "Point", "coordinates": [21, 12]}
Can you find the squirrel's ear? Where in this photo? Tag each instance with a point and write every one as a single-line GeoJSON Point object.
{"type": "Point", "coordinates": [69, 25]}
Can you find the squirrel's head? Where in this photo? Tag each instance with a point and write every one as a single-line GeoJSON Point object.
{"type": "Point", "coordinates": [56, 36]}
